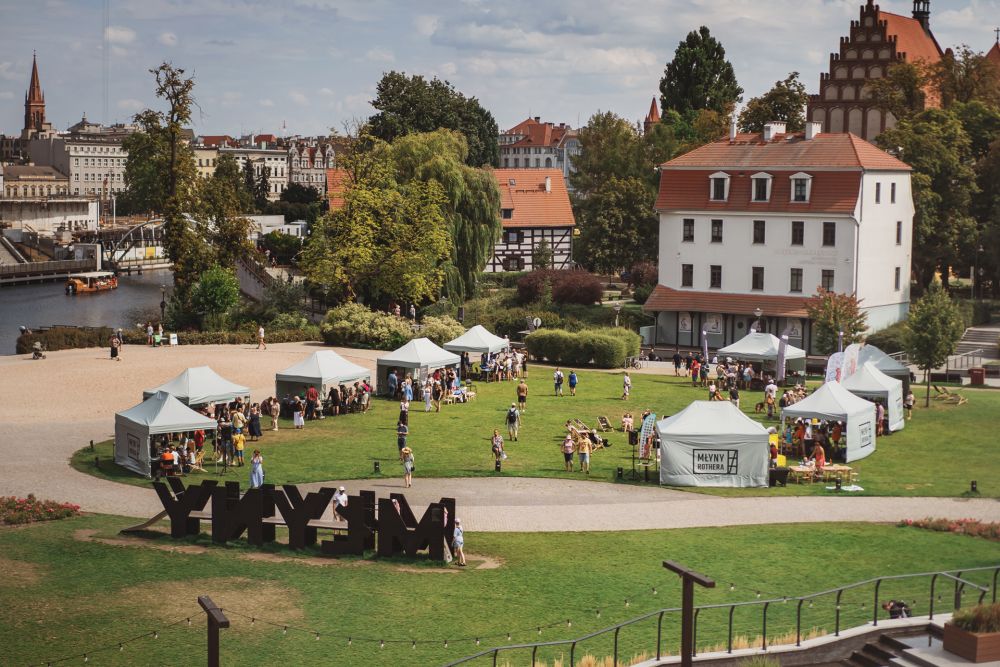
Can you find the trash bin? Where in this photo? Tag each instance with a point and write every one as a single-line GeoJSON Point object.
{"type": "Point", "coordinates": [977, 376]}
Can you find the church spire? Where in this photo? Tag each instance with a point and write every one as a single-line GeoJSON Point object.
{"type": "Point", "coordinates": [34, 104]}
{"type": "Point", "coordinates": [653, 117]}
{"type": "Point", "coordinates": [35, 87]}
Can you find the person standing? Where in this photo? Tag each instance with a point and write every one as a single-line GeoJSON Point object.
{"type": "Point", "coordinates": [908, 403]}
{"type": "Point", "coordinates": [734, 396]}
{"type": "Point", "coordinates": [583, 447]}
{"type": "Point", "coordinates": [567, 449]}
{"type": "Point", "coordinates": [677, 364]}
{"type": "Point", "coordinates": [339, 501]}
{"type": "Point", "coordinates": [298, 413]}
{"type": "Point", "coordinates": [436, 394]}
{"type": "Point", "coordinates": [404, 411]}
{"type": "Point", "coordinates": [557, 381]}
{"type": "Point", "coordinates": [239, 442]}
{"type": "Point", "coordinates": [406, 456]}
{"type": "Point", "coordinates": [572, 383]}
{"type": "Point", "coordinates": [275, 408]}
{"type": "Point", "coordinates": [513, 422]}
{"type": "Point", "coordinates": [253, 423]}
{"type": "Point", "coordinates": [458, 542]}
{"type": "Point", "coordinates": [261, 345]}
{"type": "Point", "coordinates": [402, 430]}
{"type": "Point", "coordinates": [626, 386]}
{"type": "Point", "coordinates": [427, 391]}
{"type": "Point", "coordinates": [116, 345]}
{"type": "Point", "coordinates": [256, 470]}
{"type": "Point", "coordinates": [522, 395]}
{"type": "Point", "coordinates": [497, 446]}
{"type": "Point", "coordinates": [413, 312]}
{"type": "Point", "coordinates": [149, 334]}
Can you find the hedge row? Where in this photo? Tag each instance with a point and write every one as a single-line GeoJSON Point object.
{"type": "Point", "coordinates": [605, 348]}
{"type": "Point", "coordinates": [354, 325]}
{"type": "Point", "coordinates": [564, 287]}
{"type": "Point", "coordinates": [67, 338]}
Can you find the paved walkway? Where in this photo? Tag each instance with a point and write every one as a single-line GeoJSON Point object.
{"type": "Point", "coordinates": [53, 407]}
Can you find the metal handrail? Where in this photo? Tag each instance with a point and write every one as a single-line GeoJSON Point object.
{"type": "Point", "coordinates": [954, 575]}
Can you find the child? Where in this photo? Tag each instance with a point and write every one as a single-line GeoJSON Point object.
{"type": "Point", "coordinates": [239, 442]}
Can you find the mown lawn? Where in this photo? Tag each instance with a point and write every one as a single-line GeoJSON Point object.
{"type": "Point", "coordinates": [61, 595]}
{"type": "Point", "coordinates": [937, 454]}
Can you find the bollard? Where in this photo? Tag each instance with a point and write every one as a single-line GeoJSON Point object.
{"type": "Point", "coordinates": [496, 466]}
{"type": "Point", "coordinates": [378, 468]}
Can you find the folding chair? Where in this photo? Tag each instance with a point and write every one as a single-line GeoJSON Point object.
{"type": "Point", "coordinates": [604, 424]}
{"type": "Point", "coordinates": [198, 461]}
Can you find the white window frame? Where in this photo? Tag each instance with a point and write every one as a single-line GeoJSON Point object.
{"type": "Point", "coordinates": [711, 186]}
{"type": "Point", "coordinates": [753, 191]}
{"type": "Point", "coordinates": [808, 180]}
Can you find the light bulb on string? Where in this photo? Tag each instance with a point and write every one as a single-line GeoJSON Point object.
{"type": "Point", "coordinates": [156, 634]}
{"type": "Point", "coordinates": [626, 603]}
{"type": "Point", "coordinates": [732, 587]}
{"type": "Point", "coordinates": [477, 641]}
{"type": "Point", "coordinates": [317, 636]}
{"type": "Point", "coordinates": [121, 647]}
{"type": "Point", "coordinates": [414, 647]}
{"type": "Point", "coordinates": [539, 630]}
{"type": "Point", "coordinates": [569, 623]}
{"type": "Point", "coordinates": [381, 643]}
{"type": "Point", "coordinates": [810, 604]}
{"type": "Point", "coordinates": [654, 590]}
{"type": "Point", "coordinates": [508, 636]}
{"type": "Point", "coordinates": [349, 642]}
{"type": "Point", "coordinates": [252, 620]}
{"type": "Point", "coordinates": [446, 643]}
{"type": "Point", "coordinates": [284, 630]}
{"type": "Point", "coordinates": [86, 658]}
{"type": "Point", "coordinates": [189, 621]}
{"type": "Point", "coordinates": [758, 595]}
{"type": "Point", "coordinates": [598, 613]}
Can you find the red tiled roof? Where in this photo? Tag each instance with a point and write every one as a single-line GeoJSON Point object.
{"type": "Point", "coordinates": [791, 151]}
{"type": "Point", "coordinates": [337, 181]}
{"type": "Point", "coordinates": [654, 112]}
{"type": "Point", "coordinates": [911, 38]}
{"type": "Point", "coordinates": [523, 190]}
{"type": "Point", "coordinates": [688, 190]}
{"type": "Point", "coordinates": [538, 133]}
{"type": "Point", "coordinates": [667, 299]}
{"type": "Point", "coordinates": [217, 140]}
{"type": "Point", "coordinates": [994, 56]}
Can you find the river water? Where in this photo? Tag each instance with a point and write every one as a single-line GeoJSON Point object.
{"type": "Point", "coordinates": [46, 304]}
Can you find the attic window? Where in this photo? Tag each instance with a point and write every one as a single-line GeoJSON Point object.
{"type": "Point", "coordinates": [761, 187]}
{"type": "Point", "coordinates": [801, 186]}
{"type": "Point", "coordinates": [719, 186]}
{"type": "Point", "coordinates": [511, 181]}
{"type": "Point", "coordinates": [506, 213]}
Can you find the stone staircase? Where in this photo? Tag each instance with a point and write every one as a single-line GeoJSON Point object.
{"type": "Point", "coordinates": [923, 650]}
{"type": "Point", "coordinates": [982, 337]}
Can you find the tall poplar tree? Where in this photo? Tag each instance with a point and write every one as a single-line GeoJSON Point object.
{"type": "Point", "coordinates": [699, 77]}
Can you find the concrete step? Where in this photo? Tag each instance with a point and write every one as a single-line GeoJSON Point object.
{"type": "Point", "coordinates": [863, 659]}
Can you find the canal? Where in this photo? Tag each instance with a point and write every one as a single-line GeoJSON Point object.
{"type": "Point", "coordinates": [45, 304]}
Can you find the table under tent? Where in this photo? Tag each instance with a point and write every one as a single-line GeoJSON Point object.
{"type": "Point", "coordinates": [322, 369]}
{"type": "Point", "coordinates": [764, 348]}
{"type": "Point", "coordinates": [160, 414]}
{"type": "Point", "coordinates": [833, 403]}
{"type": "Point", "coordinates": [419, 358]}
{"type": "Point", "coordinates": [870, 383]}
{"type": "Point", "coordinates": [885, 364]}
{"type": "Point", "coordinates": [712, 443]}
{"type": "Point", "coordinates": [200, 385]}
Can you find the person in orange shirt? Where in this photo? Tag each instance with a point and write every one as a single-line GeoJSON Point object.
{"type": "Point", "coordinates": [819, 457]}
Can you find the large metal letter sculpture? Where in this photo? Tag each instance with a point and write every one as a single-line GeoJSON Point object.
{"type": "Point", "coordinates": [360, 515]}
{"type": "Point", "coordinates": [394, 535]}
{"type": "Point", "coordinates": [232, 515]}
{"type": "Point", "coordinates": [182, 502]}
{"type": "Point", "coordinates": [298, 512]}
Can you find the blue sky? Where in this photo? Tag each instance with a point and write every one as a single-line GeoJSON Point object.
{"type": "Point", "coordinates": [314, 64]}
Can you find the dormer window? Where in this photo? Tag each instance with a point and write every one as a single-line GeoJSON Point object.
{"type": "Point", "coordinates": [719, 186]}
{"type": "Point", "coordinates": [801, 187]}
{"type": "Point", "coordinates": [761, 187]}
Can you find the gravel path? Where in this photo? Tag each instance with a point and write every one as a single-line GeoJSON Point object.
{"type": "Point", "coordinates": [55, 406]}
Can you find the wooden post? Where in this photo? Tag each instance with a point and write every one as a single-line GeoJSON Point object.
{"type": "Point", "coordinates": [216, 620]}
{"type": "Point", "coordinates": [689, 578]}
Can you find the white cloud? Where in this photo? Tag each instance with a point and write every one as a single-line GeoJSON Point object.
{"type": "Point", "coordinates": [379, 56]}
{"type": "Point", "coordinates": [426, 25]}
{"type": "Point", "coordinates": [449, 68]}
{"type": "Point", "coordinates": [231, 97]}
{"type": "Point", "coordinates": [130, 104]}
{"type": "Point", "coordinates": [119, 34]}
{"type": "Point", "coordinates": [326, 92]}
{"type": "Point", "coordinates": [119, 52]}
{"type": "Point", "coordinates": [266, 102]}
{"type": "Point", "coordinates": [7, 71]}
{"type": "Point", "coordinates": [168, 39]}
{"type": "Point", "coordinates": [298, 98]}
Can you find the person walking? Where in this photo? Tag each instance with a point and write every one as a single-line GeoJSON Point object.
{"type": "Point", "coordinates": [253, 423]}
{"type": "Point", "coordinates": [583, 447]}
{"type": "Point", "coordinates": [256, 470]}
{"type": "Point", "coordinates": [458, 542]}
{"type": "Point", "coordinates": [522, 395]}
{"type": "Point", "coordinates": [406, 456]}
{"type": "Point", "coordinates": [275, 409]}
{"type": "Point", "coordinates": [513, 422]}
{"type": "Point", "coordinates": [426, 391]}
{"type": "Point", "coordinates": [626, 386]}
{"type": "Point", "coordinates": [149, 334]}
{"type": "Point", "coordinates": [497, 446]}
{"type": "Point", "coordinates": [567, 449]}
{"type": "Point", "coordinates": [116, 345]}
{"type": "Point", "coordinates": [402, 430]}
{"type": "Point", "coordinates": [557, 381]}
{"type": "Point", "coordinates": [261, 345]}
{"type": "Point", "coordinates": [572, 383]}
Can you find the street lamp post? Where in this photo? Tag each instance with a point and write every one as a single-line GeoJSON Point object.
{"type": "Point", "coordinates": [977, 274]}
{"type": "Point", "coordinates": [163, 301]}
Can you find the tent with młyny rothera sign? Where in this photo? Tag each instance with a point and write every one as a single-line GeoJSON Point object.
{"type": "Point", "coordinates": [322, 369]}
{"type": "Point", "coordinates": [159, 414]}
{"type": "Point", "coordinates": [871, 384]}
{"type": "Point", "coordinates": [712, 443]}
{"type": "Point", "coordinates": [834, 403]}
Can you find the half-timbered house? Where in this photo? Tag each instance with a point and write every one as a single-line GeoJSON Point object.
{"type": "Point", "coordinates": [534, 207]}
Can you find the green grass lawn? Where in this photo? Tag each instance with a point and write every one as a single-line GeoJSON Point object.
{"type": "Point", "coordinates": [937, 454]}
{"type": "Point", "coordinates": [60, 595]}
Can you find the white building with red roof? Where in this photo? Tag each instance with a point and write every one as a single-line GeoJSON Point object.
{"type": "Point", "coordinates": [532, 144]}
{"type": "Point", "coordinates": [534, 207]}
{"type": "Point", "coordinates": [761, 221]}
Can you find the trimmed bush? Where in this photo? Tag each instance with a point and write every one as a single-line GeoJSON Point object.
{"type": "Point", "coordinates": [353, 325]}
{"type": "Point", "coordinates": [576, 287]}
{"type": "Point", "coordinates": [531, 286]}
{"type": "Point", "coordinates": [16, 511]}
{"type": "Point", "coordinates": [643, 274]}
{"type": "Point", "coordinates": [641, 293]}
{"type": "Point", "coordinates": [65, 338]}
{"type": "Point", "coordinates": [604, 348]}
{"type": "Point", "coordinates": [506, 279]}
{"type": "Point", "coordinates": [441, 329]}
{"type": "Point", "coordinates": [889, 340]}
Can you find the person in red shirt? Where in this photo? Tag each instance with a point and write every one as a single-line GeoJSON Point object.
{"type": "Point", "coordinates": [312, 400]}
{"type": "Point", "coordinates": [199, 439]}
{"type": "Point", "coordinates": [695, 367]}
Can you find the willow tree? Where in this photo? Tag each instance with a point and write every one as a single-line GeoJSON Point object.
{"type": "Point", "coordinates": [471, 206]}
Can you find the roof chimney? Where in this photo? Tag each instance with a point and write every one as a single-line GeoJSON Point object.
{"type": "Point", "coordinates": [922, 13]}
{"type": "Point", "coordinates": [732, 129]}
{"type": "Point", "coordinates": [772, 129]}
{"type": "Point", "coordinates": [812, 129]}
{"type": "Point", "coordinates": [538, 119]}
{"type": "Point", "coordinates": [548, 184]}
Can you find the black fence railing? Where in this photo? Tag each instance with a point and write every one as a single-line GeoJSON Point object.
{"type": "Point", "coordinates": [957, 578]}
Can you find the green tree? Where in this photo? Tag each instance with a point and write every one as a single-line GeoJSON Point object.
{"type": "Point", "coordinates": [160, 175]}
{"type": "Point", "coordinates": [215, 293]}
{"type": "Point", "coordinates": [939, 150]}
{"type": "Point", "coordinates": [963, 75]}
{"type": "Point", "coordinates": [227, 170]}
{"type": "Point", "coordinates": [296, 193]}
{"type": "Point", "coordinates": [700, 77]}
{"type": "Point", "coordinates": [221, 207]}
{"type": "Point", "coordinates": [832, 313]}
{"type": "Point", "coordinates": [786, 101]}
{"type": "Point", "coordinates": [542, 255]}
{"type": "Point", "coordinates": [472, 200]}
{"type": "Point", "coordinates": [987, 210]}
{"type": "Point", "coordinates": [618, 226]}
{"type": "Point", "coordinates": [932, 332]}
{"type": "Point", "coordinates": [902, 91]}
{"type": "Point", "coordinates": [250, 184]}
{"type": "Point", "coordinates": [981, 122]}
{"type": "Point", "coordinates": [610, 146]}
{"type": "Point", "coordinates": [409, 104]}
{"type": "Point", "coordinates": [263, 188]}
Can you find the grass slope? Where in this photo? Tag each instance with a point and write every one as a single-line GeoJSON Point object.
{"type": "Point", "coordinates": [61, 596]}
{"type": "Point", "coordinates": [937, 454]}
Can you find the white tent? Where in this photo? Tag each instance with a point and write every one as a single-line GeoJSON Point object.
{"type": "Point", "coordinates": [199, 385]}
{"type": "Point", "coordinates": [760, 347]}
{"type": "Point", "coordinates": [885, 363]}
{"type": "Point", "coordinates": [322, 369]}
{"type": "Point", "coordinates": [834, 403]}
{"type": "Point", "coordinates": [870, 383]}
{"type": "Point", "coordinates": [477, 339]}
{"type": "Point", "coordinates": [161, 413]}
{"type": "Point", "coordinates": [712, 443]}
{"type": "Point", "coordinates": [418, 357]}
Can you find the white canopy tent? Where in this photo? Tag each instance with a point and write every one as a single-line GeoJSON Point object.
{"type": "Point", "coordinates": [161, 413]}
{"type": "Point", "coordinates": [870, 383]}
{"type": "Point", "coordinates": [885, 364]}
{"type": "Point", "coordinates": [417, 357]}
{"type": "Point", "coordinates": [760, 347]}
{"type": "Point", "coordinates": [322, 369]}
{"type": "Point", "coordinates": [834, 403]}
{"type": "Point", "coordinates": [712, 443]}
{"type": "Point", "coordinates": [199, 385]}
{"type": "Point", "coordinates": [479, 340]}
